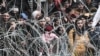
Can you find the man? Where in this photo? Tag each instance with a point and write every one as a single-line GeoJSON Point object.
{"type": "Point", "coordinates": [7, 22]}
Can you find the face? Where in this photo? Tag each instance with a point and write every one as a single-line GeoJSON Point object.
{"type": "Point", "coordinates": [84, 20]}
{"type": "Point", "coordinates": [42, 23]}
{"type": "Point", "coordinates": [66, 4]}
{"type": "Point", "coordinates": [47, 19]}
{"type": "Point", "coordinates": [80, 24]}
{"type": "Point", "coordinates": [57, 22]}
{"type": "Point", "coordinates": [6, 16]}
{"type": "Point", "coordinates": [61, 30]}
{"type": "Point", "coordinates": [80, 6]}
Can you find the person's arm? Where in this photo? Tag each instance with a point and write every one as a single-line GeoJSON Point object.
{"type": "Point", "coordinates": [70, 39]}
{"type": "Point", "coordinates": [12, 26]}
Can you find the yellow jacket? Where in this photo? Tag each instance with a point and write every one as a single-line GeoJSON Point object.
{"type": "Point", "coordinates": [77, 43]}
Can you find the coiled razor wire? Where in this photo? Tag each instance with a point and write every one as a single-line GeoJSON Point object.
{"type": "Point", "coordinates": [13, 47]}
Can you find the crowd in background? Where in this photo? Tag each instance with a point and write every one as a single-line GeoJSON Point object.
{"type": "Point", "coordinates": [51, 20]}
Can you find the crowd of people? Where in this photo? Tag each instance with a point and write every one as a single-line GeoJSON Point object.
{"type": "Point", "coordinates": [47, 27]}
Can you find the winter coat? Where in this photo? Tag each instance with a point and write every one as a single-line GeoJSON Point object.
{"type": "Point", "coordinates": [77, 43]}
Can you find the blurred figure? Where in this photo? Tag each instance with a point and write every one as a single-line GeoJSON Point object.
{"type": "Point", "coordinates": [14, 12]}
{"type": "Point", "coordinates": [36, 14]}
{"type": "Point", "coordinates": [94, 34]}
{"type": "Point", "coordinates": [48, 20]}
{"type": "Point", "coordinates": [56, 22]}
{"type": "Point", "coordinates": [41, 25]}
{"type": "Point", "coordinates": [65, 6]}
{"type": "Point", "coordinates": [49, 37]}
{"type": "Point", "coordinates": [78, 39]}
{"type": "Point", "coordinates": [89, 3]}
{"type": "Point", "coordinates": [7, 22]}
{"type": "Point", "coordinates": [81, 9]}
{"type": "Point", "coordinates": [2, 6]}
{"type": "Point", "coordinates": [60, 31]}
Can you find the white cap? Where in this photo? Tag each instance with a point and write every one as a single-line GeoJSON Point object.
{"type": "Point", "coordinates": [35, 13]}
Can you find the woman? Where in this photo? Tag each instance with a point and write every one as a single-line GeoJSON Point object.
{"type": "Point", "coordinates": [49, 37]}
{"type": "Point", "coordinates": [78, 39]}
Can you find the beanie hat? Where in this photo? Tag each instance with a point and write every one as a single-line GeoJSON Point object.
{"type": "Point", "coordinates": [35, 13]}
{"type": "Point", "coordinates": [24, 16]}
{"type": "Point", "coordinates": [48, 28]}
